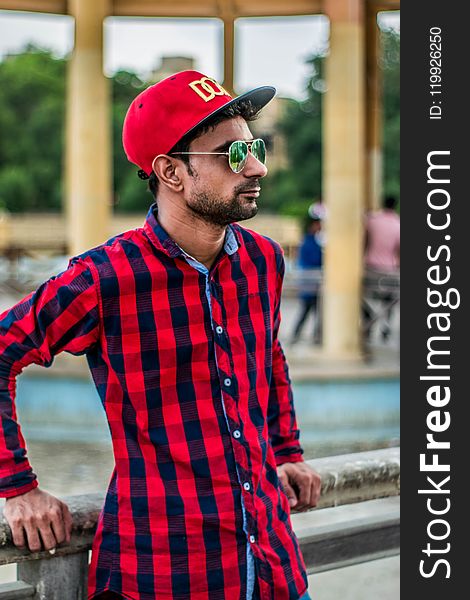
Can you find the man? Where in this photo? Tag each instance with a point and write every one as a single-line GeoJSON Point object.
{"type": "Point", "coordinates": [309, 261]}
{"type": "Point", "coordinates": [179, 322]}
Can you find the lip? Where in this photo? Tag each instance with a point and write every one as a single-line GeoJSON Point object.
{"type": "Point", "coordinates": [254, 192]}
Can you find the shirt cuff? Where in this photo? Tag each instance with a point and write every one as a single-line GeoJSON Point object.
{"type": "Point", "coordinates": [18, 484]}
{"type": "Point", "coordinates": [288, 453]}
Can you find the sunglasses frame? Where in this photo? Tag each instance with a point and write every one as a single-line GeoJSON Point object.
{"type": "Point", "coordinates": [248, 144]}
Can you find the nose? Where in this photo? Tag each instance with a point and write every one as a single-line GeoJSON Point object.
{"type": "Point", "coordinates": [254, 168]}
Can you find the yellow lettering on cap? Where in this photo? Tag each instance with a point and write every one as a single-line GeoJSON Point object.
{"type": "Point", "coordinates": [208, 88]}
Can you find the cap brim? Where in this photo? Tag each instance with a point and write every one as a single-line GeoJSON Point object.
{"type": "Point", "coordinates": [259, 97]}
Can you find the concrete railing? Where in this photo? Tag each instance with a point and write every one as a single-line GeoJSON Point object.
{"type": "Point", "coordinates": [358, 521]}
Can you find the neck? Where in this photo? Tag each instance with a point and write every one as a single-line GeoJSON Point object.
{"type": "Point", "coordinates": [201, 240]}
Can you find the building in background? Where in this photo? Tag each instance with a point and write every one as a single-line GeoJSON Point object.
{"type": "Point", "coordinates": [170, 65]}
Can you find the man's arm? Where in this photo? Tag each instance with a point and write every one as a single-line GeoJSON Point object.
{"type": "Point", "coordinates": [61, 315]}
{"type": "Point", "coordinates": [300, 482]}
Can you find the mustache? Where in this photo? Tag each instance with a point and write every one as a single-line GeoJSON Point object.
{"type": "Point", "coordinates": [247, 187]}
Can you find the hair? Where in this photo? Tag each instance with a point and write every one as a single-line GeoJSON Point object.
{"type": "Point", "coordinates": [390, 202]}
{"type": "Point", "coordinates": [244, 109]}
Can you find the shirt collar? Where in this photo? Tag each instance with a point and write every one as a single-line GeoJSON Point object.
{"type": "Point", "coordinates": [163, 240]}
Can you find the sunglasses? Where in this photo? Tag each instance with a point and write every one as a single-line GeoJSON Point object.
{"type": "Point", "coordinates": [238, 153]}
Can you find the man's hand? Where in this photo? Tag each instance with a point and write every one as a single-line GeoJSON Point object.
{"type": "Point", "coordinates": [301, 484]}
{"type": "Point", "coordinates": [37, 517]}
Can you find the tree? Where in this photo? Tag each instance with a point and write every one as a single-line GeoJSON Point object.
{"type": "Point", "coordinates": [390, 65]}
{"type": "Point", "coordinates": [292, 190]}
{"type": "Point", "coordinates": [129, 190]}
{"type": "Point", "coordinates": [32, 91]}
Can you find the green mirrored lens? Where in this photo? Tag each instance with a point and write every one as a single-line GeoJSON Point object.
{"type": "Point", "coordinates": [237, 155]}
{"type": "Point", "coordinates": [258, 149]}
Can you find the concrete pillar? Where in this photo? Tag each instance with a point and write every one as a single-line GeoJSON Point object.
{"type": "Point", "coordinates": [344, 179]}
{"type": "Point", "coordinates": [5, 230]}
{"type": "Point", "coordinates": [88, 131]}
{"type": "Point", "coordinates": [229, 42]}
{"type": "Point", "coordinates": [374, 119]}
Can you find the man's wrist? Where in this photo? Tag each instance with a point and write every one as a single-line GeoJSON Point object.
{"type": "Point", "coordinates": [18, 491]}
{"type": "Point", "coordinates": [289, 458]}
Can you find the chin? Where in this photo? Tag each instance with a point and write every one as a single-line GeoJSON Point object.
{"type": "Point", "coordinates": [249, 214]}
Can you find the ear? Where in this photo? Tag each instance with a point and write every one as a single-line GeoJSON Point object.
{"type": "Point", "coordinates": [168, 172]}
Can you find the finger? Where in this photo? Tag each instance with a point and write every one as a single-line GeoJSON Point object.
{"type": "Point", "coordinates": [57, 524]}
{"type": "Point", "coordinates": [17, 535]}
{"type": "Point", "coordinates": [68, 522]}
{"type": "Point", "coordinates": [289, 492]}
{"type": "Point", "coordinates": [34, 542]}
{"type": "Point", "coordinates": [304, 495]}
{"type": "Point", "coordinates": [48, 538]}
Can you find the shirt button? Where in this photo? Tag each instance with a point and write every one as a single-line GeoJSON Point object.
{"type": "Point", "coordinates": [219, 329]}
{"type": "Point", "coordinates": [236, 434]}
{"type": "Point", "coordinates": [227, 382]}
{"type": "Point", "coordinates": [247, 486]}
{"type": "Point", "coordinates": [252, 539]}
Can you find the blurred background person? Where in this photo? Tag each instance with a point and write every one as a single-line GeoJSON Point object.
{"type": "Point", "coordinates": [382, 257]}
{"type": "Point", "coordinates": [383, 238]}
{"type": "Point", "coordinates": [309, 261]}
{"type": "Point", "coordinates": [318, 208]}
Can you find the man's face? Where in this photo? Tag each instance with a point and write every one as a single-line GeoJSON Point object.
{"type": "Point", "coordinates": [212, 190]}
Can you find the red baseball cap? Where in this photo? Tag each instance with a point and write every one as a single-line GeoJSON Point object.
{"type": "Point", "coordinates": [163, 113]}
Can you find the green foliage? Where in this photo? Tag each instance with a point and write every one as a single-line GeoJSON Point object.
{"type": "Point", "coordinates": [390, 64]}
{"type": "Point", "coordinates": [293, 189]}
{"type": "Point", "coordinates": [32, 89]}
{"type": "Point", "coordinates": [32, 125]}
{"type": "Point", "coordinates": [130, 191]}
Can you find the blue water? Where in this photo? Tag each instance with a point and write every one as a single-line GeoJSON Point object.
{"type": "Point", "coordinates": [348, 410]}
{"type": "Point", "coordinates": [327, 412]}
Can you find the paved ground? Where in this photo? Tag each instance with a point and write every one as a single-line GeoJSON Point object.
{"type": "Point", "coordinates": [368, 581]}
{"type": "Point", "coordinates": [306, 360]}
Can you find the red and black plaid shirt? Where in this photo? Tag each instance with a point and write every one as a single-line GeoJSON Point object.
{"type": "Point", "coordinates": [196, 390]}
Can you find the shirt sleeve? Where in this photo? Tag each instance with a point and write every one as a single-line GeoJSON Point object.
{"type": "Point", "coordinates": [62, 315]}
{"type": "Point", "coordinates": [282, 423]}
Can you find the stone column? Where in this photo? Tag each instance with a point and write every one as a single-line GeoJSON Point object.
{"type": "Point", "coordinates": [88, 131]}
{"type": "Point", "coordinates": [229, 42]}
{"type": "Point", "coordinates": [344, 179]}
{"type": "Point", "coordinates": [374, 114]}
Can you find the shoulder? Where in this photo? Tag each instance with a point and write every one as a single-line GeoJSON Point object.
{"type": "Point", "coordinates": [113, 249]}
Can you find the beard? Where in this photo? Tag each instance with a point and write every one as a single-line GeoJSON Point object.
{"type": "Point", "coordinates": [209, 206]}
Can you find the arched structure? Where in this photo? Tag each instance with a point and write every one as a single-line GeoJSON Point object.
{"type": "Point", "coordinates": [351, 145]}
